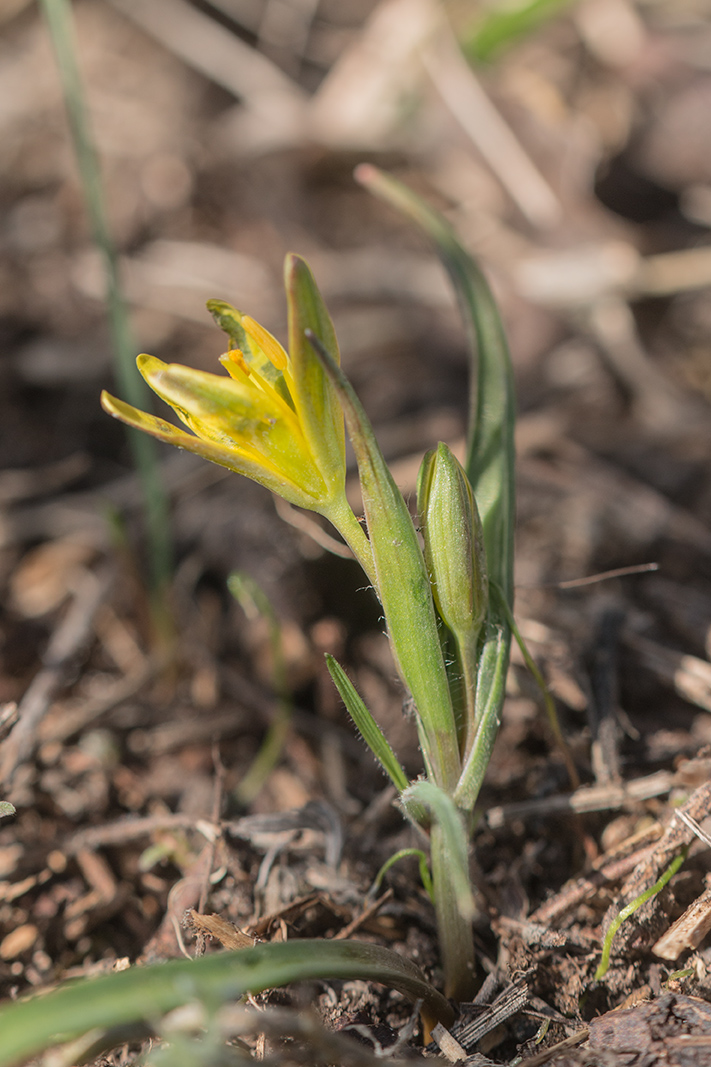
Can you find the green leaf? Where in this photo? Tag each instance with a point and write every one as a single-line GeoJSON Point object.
{"type": "Point", "coordinates": [405, 853]}
{"type": "Point", "coordinates": [631, 908]}
{"type": "Point", "coordinates": [366, 725]}
{"type": "Point", "coordinates": [454, 901]}
{"type": "Point", "coordinates": [456, 842]}
{"type": "Point", "coordinates": [147, 993]}
{"type": "Point", "coordinates": [489, 465]}
{"type": "Point", "coordinates": [317, 405]}
{"type": "Point", "coordinates": [505, 24]}
{"type": "Point", "coordinates": [6, 808]}
{"type": "Point", "coordinates": [403, 586]}
{"type": "Point", "coordinates": [490, 450]}
{"type": "Point", "coordinates": [489, 701]}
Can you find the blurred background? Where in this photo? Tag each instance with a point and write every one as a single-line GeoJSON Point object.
{"type": "Point", "coordinates": [569, 145]}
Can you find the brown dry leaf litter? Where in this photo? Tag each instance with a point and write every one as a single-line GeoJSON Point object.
{"type": "Point", "coordinates": [578, 169]}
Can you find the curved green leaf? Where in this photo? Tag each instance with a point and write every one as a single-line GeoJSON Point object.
{"type": "Point", "coordinates": [454, 901]}
{"type": "Point", "coordinates": [147, 993]}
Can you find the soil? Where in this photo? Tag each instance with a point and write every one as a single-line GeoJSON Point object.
{"type": "Point", "coordinates": [127, 735]}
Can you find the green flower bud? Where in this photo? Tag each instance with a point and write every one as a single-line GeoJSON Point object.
{"type": "Point", "coordinates": [454, 544]}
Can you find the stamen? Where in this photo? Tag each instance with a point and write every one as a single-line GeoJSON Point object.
{"type": "Point", "coordinates": [269, 345]}
{"type": "Point", "coordinates": [237, 356]}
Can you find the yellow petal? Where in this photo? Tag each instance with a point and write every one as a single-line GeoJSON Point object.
{"type": "Point", "coordinates": [241, 461]}
{"type": "Point", "coordinates": [266, 341]}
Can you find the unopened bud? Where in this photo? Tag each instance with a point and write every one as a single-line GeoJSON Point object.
{"type": "Point", "coordinates": [454, 543]}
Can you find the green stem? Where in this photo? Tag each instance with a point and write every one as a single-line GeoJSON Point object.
{"type": "Point", "coordinates": [468, 660]}
{"type": "Point", "coordinates": [490, 692]}
{"type": "Point", "coordinates": [341, 516]}
{"type": "Point", "coordinates": [403, 586]}
{"type": "Point", "coordinates": [59, 21]}
{"type": "Point", "coordinates": [456, 942]}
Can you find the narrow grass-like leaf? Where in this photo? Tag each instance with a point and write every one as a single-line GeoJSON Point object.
{"type": "Point", "coordinates": [631, 908]}
{"type": "Point", "coordinates": [505, 24]}
{"type": "Point", "coordinates": [366, 725]}
{"type": "Point", "coordinates": [147, 993]}
{"type": "Point", "coordinates": [548, 701]}
{"type": "Point", "coordinates": [403, 585]}
{"type": "Point", "coordinates": [490, 449]}
{"type": "Point", "coordinates": [489, 465]}
{"type": "Point", "coordinates": [403, 854]}
{"type": "Point", "coordinates": [58, 15]}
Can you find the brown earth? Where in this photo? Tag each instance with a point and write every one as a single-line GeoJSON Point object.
{"type": "Point", "coordinates": [577, 167]}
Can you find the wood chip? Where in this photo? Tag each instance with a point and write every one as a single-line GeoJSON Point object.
{"type": "Point", "coordinates": [18, 941]}
{"type": "Point", "coordinates": [688, 931]}
{"type": "Point", "coordinates": [229, 935]}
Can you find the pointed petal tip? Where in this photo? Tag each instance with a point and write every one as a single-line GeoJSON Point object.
{"type": "Point", "coordinates": [108, 402]}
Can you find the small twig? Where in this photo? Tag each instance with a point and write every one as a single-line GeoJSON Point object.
{"type": "Point", "coordinates": [548, 1054]}
{"type": "Point", "coordinates": [585, 799]}
{"type": "Point", "coordinates": [603, 576]}
{"type": "Point", "coordinates": [464, 96]}
{"type": "Point", "coordinates": [132, 828]}
{"type": "Point", "coordinates": [217, 797]}
{"type": "Point", "coordinates": [366, 914]}
{"type": "Point", "coordinates": [689, 675]}
{"type": "Point", "coordinates": [203, 44]}
{"type": "Point", "coordinates": [68, 640]}
{"type": "Point", "coordinates": [448, 1045]}
{"type": "Point", "coordinates": [74, 720]}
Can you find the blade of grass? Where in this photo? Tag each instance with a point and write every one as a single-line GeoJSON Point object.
{"type": "Point", "coordinates": [489, 464]}
{"type": "Point", "coordinates": [405, 853]}
{"type": "Point", "coordinates": [366, 725]}
{"type": "Point", "coordinates": [147, 993]}
{"type": "Point", "coordinates": [631, 908]}
{"type": "Point", "coordinates": [548, 701]}
{"type": "Point", "coordinates": [504, 25]}
{"type": "Point", "coordinates": [492, 414]}
{"type": "Point", "coordinates": [59, 21]}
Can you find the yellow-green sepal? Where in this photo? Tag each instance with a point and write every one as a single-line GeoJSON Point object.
{"type": "Point", "coordinates": [315, 400]}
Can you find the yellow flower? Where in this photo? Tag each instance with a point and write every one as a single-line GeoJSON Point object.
{"type": "Point", "coordinates": [276, 418]}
